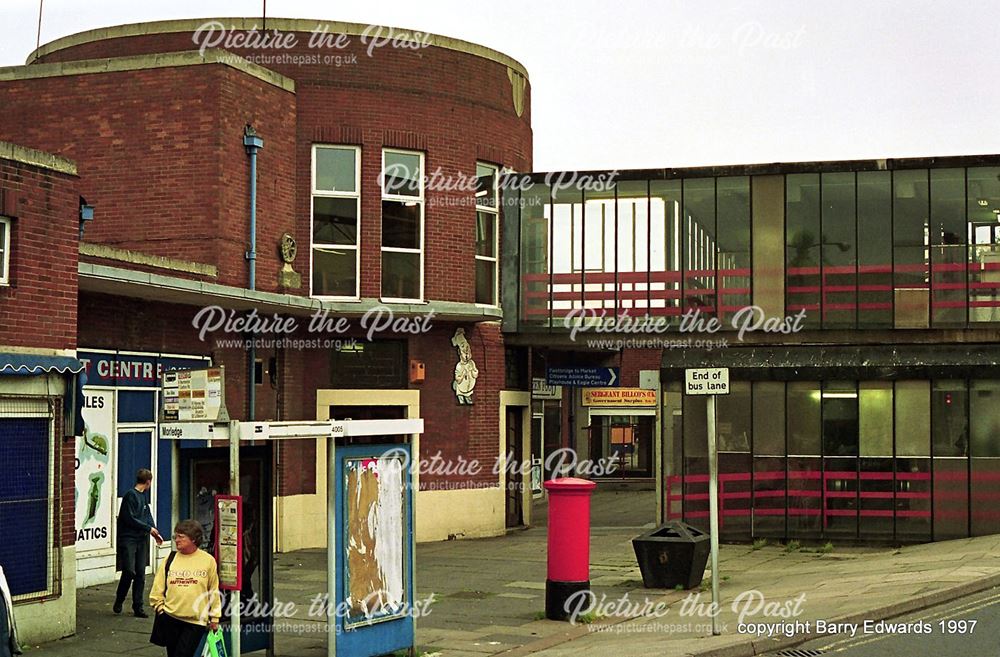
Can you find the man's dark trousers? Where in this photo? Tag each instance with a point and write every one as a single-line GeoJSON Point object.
{"type": "Point", "coordinates": [133, 556]}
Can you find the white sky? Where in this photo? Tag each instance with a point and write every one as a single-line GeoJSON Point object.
{"type": "Point", "coordinates": [632, 84]}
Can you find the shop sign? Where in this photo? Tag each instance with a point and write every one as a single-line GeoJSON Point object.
{"type": "Point", "coordinates": [542, 390]}
{"type": "Point", "coordinates": [194, 395]}
{"type": "Point", "coordinates": [132, 370]}
{"type": "Point", "coordinates": [618, 397]}
{"type": "Point", "coordinates": [95, 483]}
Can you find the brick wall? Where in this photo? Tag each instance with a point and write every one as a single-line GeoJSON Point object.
{"type": "Point", "coordinates": [160, 154]}
{"type": "Point", "coordinates": [454, 107]}
{"type": "Point", "coordinates": [454, 430]}
{"type": "Point", "coordinates": [111, 322]}
{"type": "Point", "coordinates": [38, 307]}
{"type": "Point", "coordinates": [632, 361]}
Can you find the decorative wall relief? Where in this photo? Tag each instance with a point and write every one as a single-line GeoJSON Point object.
{"type": "Point", "coordinates": [466, 371]}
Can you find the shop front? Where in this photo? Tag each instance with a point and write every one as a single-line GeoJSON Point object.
{"type": "Point", "coordinates": [121, 413]}
{"type": "Point", "coordinates": [837, 444]}
{"type": "Point", "coordinates": [621, 425]}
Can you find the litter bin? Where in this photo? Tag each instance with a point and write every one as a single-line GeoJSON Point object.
{"type": "Point", "coordinates": [673, 553]}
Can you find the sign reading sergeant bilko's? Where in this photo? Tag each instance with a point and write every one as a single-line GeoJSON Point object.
{"type": "Point", "coordinates": [619, 397]}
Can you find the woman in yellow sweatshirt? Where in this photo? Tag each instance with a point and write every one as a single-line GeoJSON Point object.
{"type": "Point", "coordinates": [185, 596]}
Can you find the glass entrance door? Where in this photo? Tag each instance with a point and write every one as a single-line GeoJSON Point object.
{"type": "Point", "coordinates": [205, 473]}
{"type": "Point", "coordinates": [625, 442]}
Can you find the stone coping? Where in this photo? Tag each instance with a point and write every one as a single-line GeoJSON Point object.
{"type": "Point", "coordinates": [143, 62]}
{"type": "Point", "coordinates": [35, 158]}
{"type": "Point", "coordinates": [281, 24]}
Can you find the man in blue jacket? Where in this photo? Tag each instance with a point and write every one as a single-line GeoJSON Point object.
{"type": "Point", "coordinates": [135, 526]}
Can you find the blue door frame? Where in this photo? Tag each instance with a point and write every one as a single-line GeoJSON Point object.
{"type": "Point", "coordinates": [360, 637]}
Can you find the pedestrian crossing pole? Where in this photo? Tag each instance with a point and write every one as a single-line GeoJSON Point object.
{"type": "Point", "coordinates": [234, 489]}
{"type": "Point", "coordinates": [711, 381]}
{"type": "Point", "coordinates": [713, 510]}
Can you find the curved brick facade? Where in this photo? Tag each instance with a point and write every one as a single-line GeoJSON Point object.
{"type": "Point", "coordinates": [455, 102]}
{"type": "Point", "coordinates": [156, 129]}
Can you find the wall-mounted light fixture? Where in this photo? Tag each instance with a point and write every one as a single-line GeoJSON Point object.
{"type": "Point", "coordinates": [86, 214]}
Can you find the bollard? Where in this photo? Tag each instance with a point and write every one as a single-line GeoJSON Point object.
{"type": "Point", "coordinates": [569, 543]}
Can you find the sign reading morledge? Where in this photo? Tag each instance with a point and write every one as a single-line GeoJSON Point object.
{"type": "Point", "coordinates": [618, 397]}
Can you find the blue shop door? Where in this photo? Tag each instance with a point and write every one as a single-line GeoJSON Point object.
{"type": "Point", "coordinates": [135, 450]}
{"type": "Point", "coordinates": [374, 511]}
{"type": "Point", "coordinates": [24, 504]}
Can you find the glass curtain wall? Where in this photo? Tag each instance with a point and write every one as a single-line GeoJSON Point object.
{"type": "Point", "coordinates": [912, 248]}
{"type": "Point", "coordinates": [907, 460]}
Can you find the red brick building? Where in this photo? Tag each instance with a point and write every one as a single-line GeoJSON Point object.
{"type": "Point", "coordinates": [155, 116]}
{"type": "Point", "coordinates": [39, 225]}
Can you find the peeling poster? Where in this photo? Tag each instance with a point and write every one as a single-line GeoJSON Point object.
{"type": "Point", "coordinates": [374, 543]}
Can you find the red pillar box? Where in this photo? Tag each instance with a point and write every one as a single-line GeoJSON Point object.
{"type": "Point", "coordinates": [569, 543]}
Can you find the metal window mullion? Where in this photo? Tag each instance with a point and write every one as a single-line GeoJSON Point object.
{"type": "Point", "coordinates": [892, 319]}
{"type": "Point", "coordinates": [551, 265]}
{"type": "Point", "coordinates": [649, 247]}
{"type": "Point", "coordinates": [930, 255]}
{"type": "Point", "coordinates": [617, 283]}
{"type": "Point", "coordinates": [857, 311]}
{"type": "Point", "coordinates": [895, 483]}
{"type": "Point", "coordinates": [967, 261]}
{"type": "Point", "coordinates": [822, 435]}
{"type": "Point", "coordinates": [930, 438]}
{"type": "Point", "coordinates": [583, 250]}
{"type": "Point", "coordinates": [822, 269]}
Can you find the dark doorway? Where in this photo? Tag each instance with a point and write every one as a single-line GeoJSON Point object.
{"type": "Point", "coordinates": [515, 456]}
{"type": "Point", "coordinates": [624, 443]}
{"type": "Point", "coordinates": [204, 474]}
{"type": "Point", "coordinates": [369, 413]}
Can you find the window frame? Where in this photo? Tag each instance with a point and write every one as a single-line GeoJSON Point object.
{"type": "Point", "coordinates": [494, 212]}
{"type": "Point", "coordinates": [403, 198]}
{"type": "Point", "coordinates": [7, 229]}
{"type": "Point", "coordinates": [356, 195]}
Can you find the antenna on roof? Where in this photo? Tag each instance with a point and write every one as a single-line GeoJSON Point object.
{"type": "Point", "coordinates": [38, 40]}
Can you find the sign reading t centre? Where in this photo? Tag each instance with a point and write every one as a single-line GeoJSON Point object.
{"type": "Point", "coordinates": [707, 381]}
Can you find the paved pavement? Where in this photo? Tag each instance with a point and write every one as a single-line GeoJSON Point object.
{"type": "Point", "coordinates": [490, 595]}
{"type": "Point", "coordinates": [966, 626]}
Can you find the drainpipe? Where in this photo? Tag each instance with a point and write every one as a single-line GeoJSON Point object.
{"type": "Point", "coordinates": [253, 143]}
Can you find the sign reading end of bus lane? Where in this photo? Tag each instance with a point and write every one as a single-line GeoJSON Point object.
{"type": "Point", "coordinates": [706, 381]}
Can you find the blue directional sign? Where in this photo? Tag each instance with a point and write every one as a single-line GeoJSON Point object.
{"type": "Point", "coordinates": [583, 377]}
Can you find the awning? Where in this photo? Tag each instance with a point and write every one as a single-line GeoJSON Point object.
{"type": "Point", "coordinates": [33, 364]}
{"type": "Point", "coordinates": [847, 362]}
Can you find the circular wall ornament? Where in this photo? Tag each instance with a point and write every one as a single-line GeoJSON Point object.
{"type": "Point", "coordinates": [288, 248]}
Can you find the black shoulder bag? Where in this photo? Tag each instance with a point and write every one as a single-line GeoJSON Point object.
{"type": "Point", "coordinates": [161, 625]}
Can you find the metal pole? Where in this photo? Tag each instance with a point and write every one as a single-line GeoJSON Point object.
{"type": "Point", "coordinates": [331, 548]}
{"type": "Point", "coordinates": [253, 143]}
{"type": "Point", "coordinates": [38, 39]}
{"type": "Point", "coordinates": [234, 489]}
{"type": "Point", "coordinates": [713, 511]}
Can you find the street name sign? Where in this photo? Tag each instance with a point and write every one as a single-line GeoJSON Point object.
{"type": "Point", "coordinates": [707, 381]}
{"type": "Point", "coordinates": [711, 381]}
{"type": "Point", "coordinates": [583, 377]}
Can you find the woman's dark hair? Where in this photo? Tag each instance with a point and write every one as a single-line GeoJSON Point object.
{"type": "Point", "coordinates": [192, 529]}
